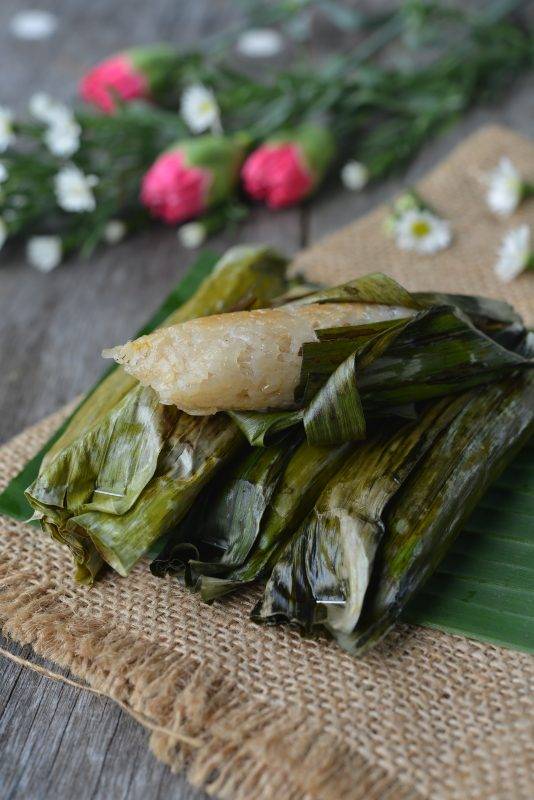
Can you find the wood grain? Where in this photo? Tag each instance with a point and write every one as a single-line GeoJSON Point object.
{"type": "Point", "coordinates": [56, 741]}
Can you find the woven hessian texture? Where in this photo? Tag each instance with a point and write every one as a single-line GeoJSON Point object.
{"type": "Point", "coordinates": [268, 714]}
{"type": "Point", "coordinates": [456, 190]}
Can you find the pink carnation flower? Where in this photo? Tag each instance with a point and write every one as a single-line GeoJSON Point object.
{"type": "Point", "coordinates": [173, 191]}
{"type": "Point", "coordinates": [112, 78]}
{"type": "Point", "coordinates": [277, 174]}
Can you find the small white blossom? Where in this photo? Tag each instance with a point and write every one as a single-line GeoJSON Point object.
{"type": "Point", "coordinates": [199, 109]}
{"type": "Point", "coordinates": [47, 110]}
{"type": "Point", "coordinates": [74, 190]}
{"type": "Point", "coordinates": [4, 175]}
{"type": "Point", "coordinates": [421, 231]}
{"type": "Point", "coordinates": [19, 200]}
{"type": "Point", "coordinates": [115, 231]}
{"type": "Point", "coordinates": [63, 137]}
{"type": "Point", "coordinates": [44, 252]}
{"type": "Point", "coordinates": [354, 175]}
{"type": "Point", "coordinates": [192, 235]}
{"type": "Point", "coordinates": [259, 43]}
{"type": "Point", "coordinates": [515, 254]}
{"type": "Point", "coordinates": [3, 232]}
{"type": "Point", "coordinates": [33, 25]}
{"type": "Point", "coordinates": [505, 188]}
{"type": "Point", "coordinates": [7, 134]}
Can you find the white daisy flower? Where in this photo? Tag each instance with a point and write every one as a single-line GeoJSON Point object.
{"type": "Point", "coordinates": [192, 235]}
{"type": "Point", "coordinates": [63, 137]}
{"type": "Point", "coordinates": [422, 231]}
{"type": "Point", "coordinates": [260, 43]}
{"type": "Point", "coordinates": [74, 190]}
{"type": "Point", "coordinates": [3, 233]}
{"type": "Point", "coordinates": [354, 175]}
{"type": "Point", "coordinates": [4, 175]}
{"type": "Point", "coordinates": [44, 252]}
{"type": "Point", "coordinates": [115, 231]}
{"type": "Point", "coordinates": [505, 188]}
{"type": "Point", "coordinates": [33, 25]}
{"type": "Point", "coordinates": [7, 134]}
{"type": "Point", "coordinates": [515, 254]}
{"type": "Point", "coordinates": [47, 110]}
{"type": "Point", "coordinates": [199, 109]}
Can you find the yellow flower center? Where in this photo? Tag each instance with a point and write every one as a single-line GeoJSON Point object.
{"type": "Point", "coordinates": [206, 106]}
{"type": "Point", "coordinates": [420, 229]}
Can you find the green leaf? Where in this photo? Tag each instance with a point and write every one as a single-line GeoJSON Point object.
{"type": "Point", "coordinates": [483, 588]}
{"type": "Point", "coordinates": [335, 415]}
{"type": "Point", "coordinates": [264, 428]}
{"type": "Point", "coordinates": [372, 288]}
{"type": "Point", "coordinates": [228, 518]}
{"type": "Point", "coordinates": [13, 501]}
{"type": "Point", "coordinates": [309, 469]}
{"type": "Point", "coordinates": [434, 506]}
{"type": "Point", "coordinates": [323, 574]}
{"type": "Point", "coordinates": [80, 479]}
{"type": "Point", "coordinates": [102, 505]}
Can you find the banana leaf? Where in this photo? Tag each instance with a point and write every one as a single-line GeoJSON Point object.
{"type": "Point", "coordinates": [322, 580]}
{"type": "Point", "coordinates": [241, 279]}
{"type": "Point", "coordinates": [352, 374]}
{"type": "Point", "coordinates": [13, 500]}
{"type": "Point", "coordinates": [322, 575]}
{"type": "Point", "coordinates": [435, 354]}
{"type": "Point", "coordinates": [303, 477]}
{"type": "Point", "coordinates": [115, 487]}
{"type": "Point", "coordinates": [225, 523]}
{"type": "Point", "coordinates": [193, 453]}
{"type": "Point", "coordinates": [425, 518]}
{"type": "Point", "coordinates": [376, 287]}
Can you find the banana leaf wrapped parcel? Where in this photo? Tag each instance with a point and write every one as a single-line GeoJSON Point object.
{"type": "Point", "coordinates": [328, 361]}
{"type": "Point", "coordinates": [240, 528]}
{"type": "Point", "coordinates": [383, 524]}
{"type": "Point", "coordinates": [127, 468]}
{"type": "Point", "coordinates": [322, 531]}
{"type": "Point", "coordinates": [327, 441]}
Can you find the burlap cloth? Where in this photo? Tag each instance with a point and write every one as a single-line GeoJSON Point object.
{"type": "Point", "coordinates": [258, 713]}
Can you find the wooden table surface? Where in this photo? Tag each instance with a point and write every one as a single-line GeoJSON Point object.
{"type": "Point", "coordinates": [56, 741]}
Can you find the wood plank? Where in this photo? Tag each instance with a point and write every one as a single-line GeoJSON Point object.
{"type": "Point", "coordinates": [57, 741]}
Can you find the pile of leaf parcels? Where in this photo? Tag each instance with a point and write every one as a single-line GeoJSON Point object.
{"type": "Point", "coordinates": [342, 506]}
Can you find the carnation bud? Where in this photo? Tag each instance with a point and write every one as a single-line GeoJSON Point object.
{"type": "Point", "coordinates": [142, 73]}
{"type": "Point", "coordinates": [192, 176]}
{"type": "Point", "coordinates": [287, 168]}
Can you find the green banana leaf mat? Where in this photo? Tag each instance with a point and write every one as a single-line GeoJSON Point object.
{"type": "Point", "coordinates": [484, 588]}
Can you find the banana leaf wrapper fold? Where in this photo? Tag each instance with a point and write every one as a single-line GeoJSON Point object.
{"type": "Point", "coordinates": [128, 468]}
{"type": "Point", "coordinates": [426, 517]}
{"type": "Point", "coordinates": [352, 374]}
{"type": "Point", "coordinates": [376, 534]}
{"type": "Point", "coordinates": [250, 518]}
{"type": "Point", "coordinates": [322, 575]}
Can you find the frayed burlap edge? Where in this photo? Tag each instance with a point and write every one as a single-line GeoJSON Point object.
{"type": "Point", "coordinates": [231, 746]}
